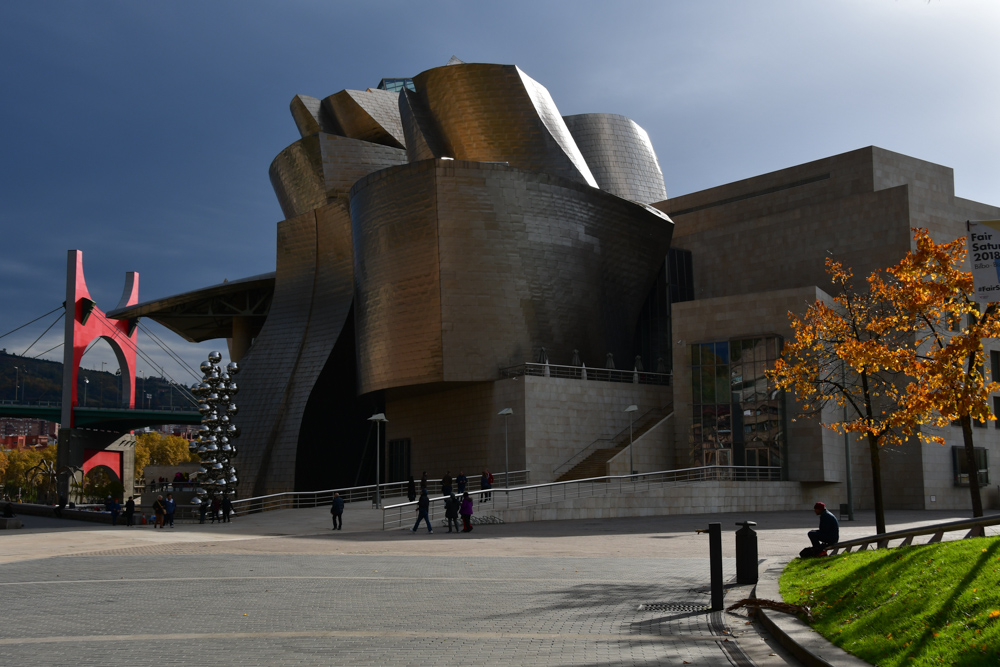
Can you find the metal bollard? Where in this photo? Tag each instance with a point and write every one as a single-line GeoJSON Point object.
{"type": "Point", "coordinates": [715, 565]}
{"type": "Point", "coordinates": [746, 553]}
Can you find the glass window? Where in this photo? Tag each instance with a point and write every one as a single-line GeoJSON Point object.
{"type": "Point", "coordinates": [961, 468]}
{"type": "Point", "coordinates": [995, 365]}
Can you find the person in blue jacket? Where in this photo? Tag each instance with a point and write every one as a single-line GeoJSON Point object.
{"type": "Point", "coordinates": [171, 506]}
{"type": "Point", "coordinates": [829, 528]}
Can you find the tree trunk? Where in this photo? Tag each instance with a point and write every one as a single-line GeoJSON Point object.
{"type": "Point", "coordinates": [873, 450]}
{"type": "Point", "coordinates": [970, 451]}
{"type": "Point", "coordinates": [876, 461]}
{"type": "Point", "coordinates": [971, 465]}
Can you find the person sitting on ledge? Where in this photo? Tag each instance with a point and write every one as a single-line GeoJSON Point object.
{"type": "Point", "coordinates": [829, 529]}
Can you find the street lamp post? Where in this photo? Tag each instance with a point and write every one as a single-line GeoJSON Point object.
{"type": "Point", "coordinates": [506, 412]}
{"type": "Point", "coordinates": [378, 417]}
{"type": "Point", "coordinates": [86, 383]}
{"type": "Point", "coordinates": [17, 381]}
{"type": "Point", "coordinates": [631, 414]}
{"type": "Point", "coordinates": [101, 380]}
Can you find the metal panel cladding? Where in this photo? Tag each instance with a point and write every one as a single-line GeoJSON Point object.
{"type": "Point", "coordinates": [497, 113]}
{"type": "Point", "coordinates": [620, 155]}
{"type": "Point", "coordinates": [463, 267]}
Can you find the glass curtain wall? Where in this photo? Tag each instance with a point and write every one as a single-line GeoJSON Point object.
{"type": "Point", "coordinates": [738, 415]}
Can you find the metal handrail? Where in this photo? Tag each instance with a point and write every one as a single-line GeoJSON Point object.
{"type": "Point", "coordinates": [537, 494]}
{"type": "Point", "coordinates": [937, 531]}
{"type": "Point", "coordinates": [305, 499]}
{"type": "Point", "coordinates": [592, 447]}
{"type": "Point", "coordinates": [585, 373]}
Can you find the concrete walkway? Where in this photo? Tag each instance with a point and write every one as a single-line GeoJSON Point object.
{"type": "Point", "coordinates": [282, 588]}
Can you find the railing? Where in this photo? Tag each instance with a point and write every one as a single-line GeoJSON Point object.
{"type": "Point", "coordinates": [353, 494]}
{"type": "Point", "coordinates": [538, 494]}
{"type": "Point", "coordinates": [936, 531]}
{"type": "Point", "coordinates": [584, 373]}
{"type": "Point", "coordinates": [41, 404]}
{"type": "Point", "coordinates": [638, 428]}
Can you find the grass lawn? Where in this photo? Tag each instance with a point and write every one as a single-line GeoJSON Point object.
{"type": "Point", "coordinates": [937, 604]}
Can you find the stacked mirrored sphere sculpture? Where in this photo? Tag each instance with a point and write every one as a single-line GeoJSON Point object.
{"type": "Point", "coordinates": [216, 441]}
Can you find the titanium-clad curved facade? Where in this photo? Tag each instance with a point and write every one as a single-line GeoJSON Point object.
{"type": "Point", "coordinates": [497, 113]}
{"type": "Point", "coordinates": [463, 267]}
{"type": "Point", "coordinates": [620, 156]}
{"type": "Point", "coordinates": [432, 237]}
{"type": "Point", "coordinates": [316, 170]}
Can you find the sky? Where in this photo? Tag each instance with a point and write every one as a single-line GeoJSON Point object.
{"type": "Point", "coordinates": [141, 132]}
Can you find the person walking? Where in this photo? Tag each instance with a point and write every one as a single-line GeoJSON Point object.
{"type": "Point", "coordinates": [115, 509]}
{"type": "Point", "coordinates": [203, 511]}
{"type": "Point", "coordinates": [337, 510]}
{"type": "Point", "coordinates": [485, 483]}
{"type": "Point", "coordinates": [227, 508]}
{"type": "Point", "coordinates": [171, 506]}
{"type": "Point", "coordinates": [215, 510]}
{"type": "Point", "coordinates": [829, 529]}
{"type": "Point", "coordinates": [130, 511]}
{"type": "Point", "coordinates": [423, 509]}
{"type": "Point", "coordinates": [159, 509]}
{"type": "Point", "coordinates": [411, 490]}
{"type": "Point", "coordinates": [451, 507]}
{"type": "Point", "coordinates": [466, 512]}
{"type": "Point", "coordinates": [446, 484]}
{"type": "Point", "coordinates": [461, 481]}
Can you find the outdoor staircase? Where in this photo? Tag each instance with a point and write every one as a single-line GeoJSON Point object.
{"type": "Point", "coordinates": [596, 463]}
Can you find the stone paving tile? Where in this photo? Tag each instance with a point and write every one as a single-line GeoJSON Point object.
{"type": "Point", "coordinates": [354, 610]}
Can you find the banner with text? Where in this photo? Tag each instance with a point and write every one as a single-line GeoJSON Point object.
{"type": "Point", "coordinates": [984, 254]}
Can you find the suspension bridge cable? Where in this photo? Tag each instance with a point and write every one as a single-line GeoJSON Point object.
{"type": "Point", "coordinates": [61, 315]}
{"type": "Point", "coordinates": [32, 321]}
{"type": "Point", "coordinates": [145, 357]}
{"type": "Point", "coordinates": [166, 348]}
{"type": "Point", "coordinates": [47, 351]}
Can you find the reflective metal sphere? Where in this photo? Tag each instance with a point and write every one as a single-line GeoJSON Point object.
{"type": "Point", "coordinates": [196, 501]}
{"type": "Point", "coordinates": [204, 408]}
{"type": "Point", "coordinates": [233, 410]}
{"type": "Point", "coordinates": [206, 367]}
{"type": "Point", "coordinates": [232, 368]}
{"type": "Point", "coordinates": [232, 388]}
{"type": "Point", "coordinates": [214, 356]}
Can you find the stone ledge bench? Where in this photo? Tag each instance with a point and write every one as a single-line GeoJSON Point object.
{"type": "Point", "coordinates": [10, 523]}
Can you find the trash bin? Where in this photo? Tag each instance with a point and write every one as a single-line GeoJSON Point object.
{"type": "Point", "coordinates": [746, 553]}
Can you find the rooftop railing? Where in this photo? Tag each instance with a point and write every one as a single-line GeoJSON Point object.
{"type": "Point", "coordinates": [585, 373]}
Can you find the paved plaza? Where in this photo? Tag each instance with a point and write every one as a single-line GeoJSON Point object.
{"type": "Point", "coordinates": [282, 588]}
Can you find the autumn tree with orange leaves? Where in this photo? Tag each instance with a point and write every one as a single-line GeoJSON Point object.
{"type": "Point", "coordinates": [852, 354]}
{"type": "Point", "coordinates": [935, 292]}
{"type": "Point", "coordinates": [901, 350]}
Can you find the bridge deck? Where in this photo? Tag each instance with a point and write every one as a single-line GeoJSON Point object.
{"type": "Point", "coordinates": [118, 419]}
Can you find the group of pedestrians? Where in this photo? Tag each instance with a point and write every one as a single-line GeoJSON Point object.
{"type": "Point", "coordinates": [461, 482]}
{"type": "Point", "coordinates": [225, 506]}
{"type": "Point", "coordinates": [453, 508]}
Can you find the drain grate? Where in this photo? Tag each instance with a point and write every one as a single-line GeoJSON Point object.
{"type": "Point", "coordinates": [673, 606]}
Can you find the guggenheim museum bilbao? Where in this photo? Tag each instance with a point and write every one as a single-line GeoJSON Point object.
{"type": "Point", "coordinates": [453, 246]}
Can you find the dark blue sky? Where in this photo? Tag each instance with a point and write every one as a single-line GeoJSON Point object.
{"type": "Point", "coordinates": [141, 132]}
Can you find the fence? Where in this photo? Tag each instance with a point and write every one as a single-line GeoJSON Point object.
{"type": "Point", "coordinates": [584, 373]}
{"type": "Point", "coordinates": [394, 516]}
{"type": "Point", "coordinates": [305, 499]}
{"type": "Point", "coordinates": [936, 531]}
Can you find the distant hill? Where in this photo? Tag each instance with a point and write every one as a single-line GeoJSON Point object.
{"type": "Point", "coordinates": [43, 383]}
